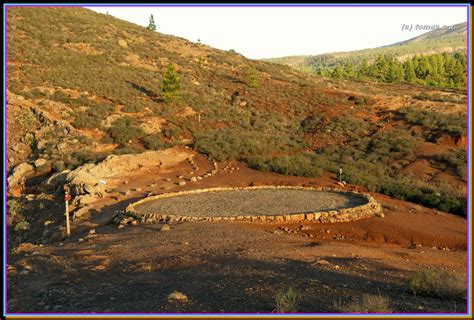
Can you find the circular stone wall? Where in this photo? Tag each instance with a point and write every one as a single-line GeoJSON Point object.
{"type": "Point", "coordinates": [264, 204]}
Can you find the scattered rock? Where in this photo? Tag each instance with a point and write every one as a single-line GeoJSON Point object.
{"type": "Point", "coordinates": [30, 197]}
{"type": "Point", "coordinates": [56, 180]}
{"type": "Point", "coordinates": [193, 179]}
{"type": "Point", "coordinates": [42, 166]}
{"type": "Point", "coordinates": [165, 227]}
{"type": "Point", "coordinates": [21, 172]}
{"type": "Point", "coordinates": [322, 262]}
{"type": "Point", "coordinates": [80, 212]}
{"type": "Point", "coordinates": [177, 296]}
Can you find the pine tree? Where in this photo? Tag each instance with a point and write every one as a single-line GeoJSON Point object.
{"type": "Point", "coordinates": [410, 75]}
{"type": "Point", "coordinates": [363, 71]}
{"type": "Point", "coordinates": [349, 71]}
{"type": "Point", "coordinates": [337, 72]}
{"type": "Point", "coordinates": [151, 24]}
{"type": "Point", "coordinates": [171, 84]}
{"type": "Point", "coordinates": [252, 77]}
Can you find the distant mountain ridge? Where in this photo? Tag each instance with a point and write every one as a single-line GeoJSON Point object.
{"type": "Point", "coordinates": [435, 41]}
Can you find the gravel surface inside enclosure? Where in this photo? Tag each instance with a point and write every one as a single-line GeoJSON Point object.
{"type": "Point", "coordinates": [251, 203]}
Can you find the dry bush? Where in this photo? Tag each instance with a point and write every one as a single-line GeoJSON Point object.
{"type": "Point", "coordinates": [287, 301]}
{"type": "Point", "coordinates": [368, 303]}
{"type": "Point", "coordinates": [429, 282]}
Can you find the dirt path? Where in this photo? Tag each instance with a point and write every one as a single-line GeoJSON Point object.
{"type": "Point", "coordinates": [221, 267]}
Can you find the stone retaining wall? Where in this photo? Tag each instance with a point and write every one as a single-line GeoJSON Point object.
{"type": "Point", "coordinates": [370, 209]}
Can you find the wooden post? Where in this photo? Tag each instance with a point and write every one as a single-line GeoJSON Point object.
{"type": "Point", "coordinates": [67, 197]}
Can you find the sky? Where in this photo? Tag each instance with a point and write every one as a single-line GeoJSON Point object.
{"type": "Point", "coordinates": [266, 32]}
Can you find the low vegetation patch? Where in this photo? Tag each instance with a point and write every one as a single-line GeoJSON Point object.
{"type": "Point", "coordinates": [304, 164]}
{"type": "Point", "coordinates": [451, 123]}
{"type": "Point", "coordinates": [124, 130]}
{"type": "Point", "coordinates": [287, 301]}
{"type": "Point", "coordinates": [436, 283]}
{"type": "Point", "coordinates": [368, 303]}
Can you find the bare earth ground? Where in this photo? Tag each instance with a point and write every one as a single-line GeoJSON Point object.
{"type": "Point", "coordinates": [232, 266]}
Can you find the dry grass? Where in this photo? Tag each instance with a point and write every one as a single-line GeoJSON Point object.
{"type": "Point", "coordinates": [428, 282]}
{"type": "Point", "coordinates": [367, 304]}
{"type": "Point", "coordinates": [287, 301]}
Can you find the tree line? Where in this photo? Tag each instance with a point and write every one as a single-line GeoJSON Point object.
{"type": "Point", "coordinates": [447, 70]}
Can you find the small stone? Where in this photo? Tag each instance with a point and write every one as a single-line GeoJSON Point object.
{"type": "Point", "coordinates": [199, 178]}
{"type": "Point", "coordinates": [137, 189]}
{"type": "Point", "coordinates": [168, 180]}
{"type": "Point", "coordinates": [135, 222]}
{"type": "Point", "coordinates": [178, 296]}
{"type": "Point", "coordinates": [92, 231]}
{"type": "Point", "coordinates": [322, 262]}
{"type": "Point", "coordinates": [120, 226]}
{"type": "Point", "coordinates": [165, 227]}
{"type": "Point", "coordinates": [193, 179]}
{"type": "Point", "coordinates": [182, 183]}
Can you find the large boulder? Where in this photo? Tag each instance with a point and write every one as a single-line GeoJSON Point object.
{"type": "Point", "coordinates": [91, 179]}
{"type": "Point", "coordinates": [84, 181]}
{"type": "Point", "coordinates": [19, 175]}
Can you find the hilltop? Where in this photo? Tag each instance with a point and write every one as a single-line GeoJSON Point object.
{"type": "Point", "coordinates": [436, 41]}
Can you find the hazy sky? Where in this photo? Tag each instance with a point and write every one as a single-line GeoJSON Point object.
{"type": "Point", "coordinates": [263, 32]}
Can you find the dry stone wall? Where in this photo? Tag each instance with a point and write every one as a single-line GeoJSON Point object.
{"type": "Point", "coordinates": [132, 216]}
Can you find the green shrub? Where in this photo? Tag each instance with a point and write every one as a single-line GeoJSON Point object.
{"type": "Point", "coordinates": [287, 301]}
{"type": "Point", "coordinates": [79, 158]}
{"type": "Point", "coordinates": [135, 106]}
{"type": "Point", "coordinates": [451, 123]}
{"type": "Point", "coordinates": [84, 120]}
{"type": "Point", "coordinates": [429, 282]}
{"type": "Point", "coordinates": [456, 160]}
{"type": "Point", "coordinates": [312, 123]}
{"type": "Point", "coordinates": [124, 129]}
{"type": "Point", "coordinates": [304, 165]}
{"type": "Point", "coordinates": [153, 141]}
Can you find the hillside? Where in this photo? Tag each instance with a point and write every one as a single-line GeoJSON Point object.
{"type": "Point", "coordinates": [82, 85]}
{"type": "Point", "coordinates": [436, 41]}
{"type": "Point", "coordinates": [119, 114]}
